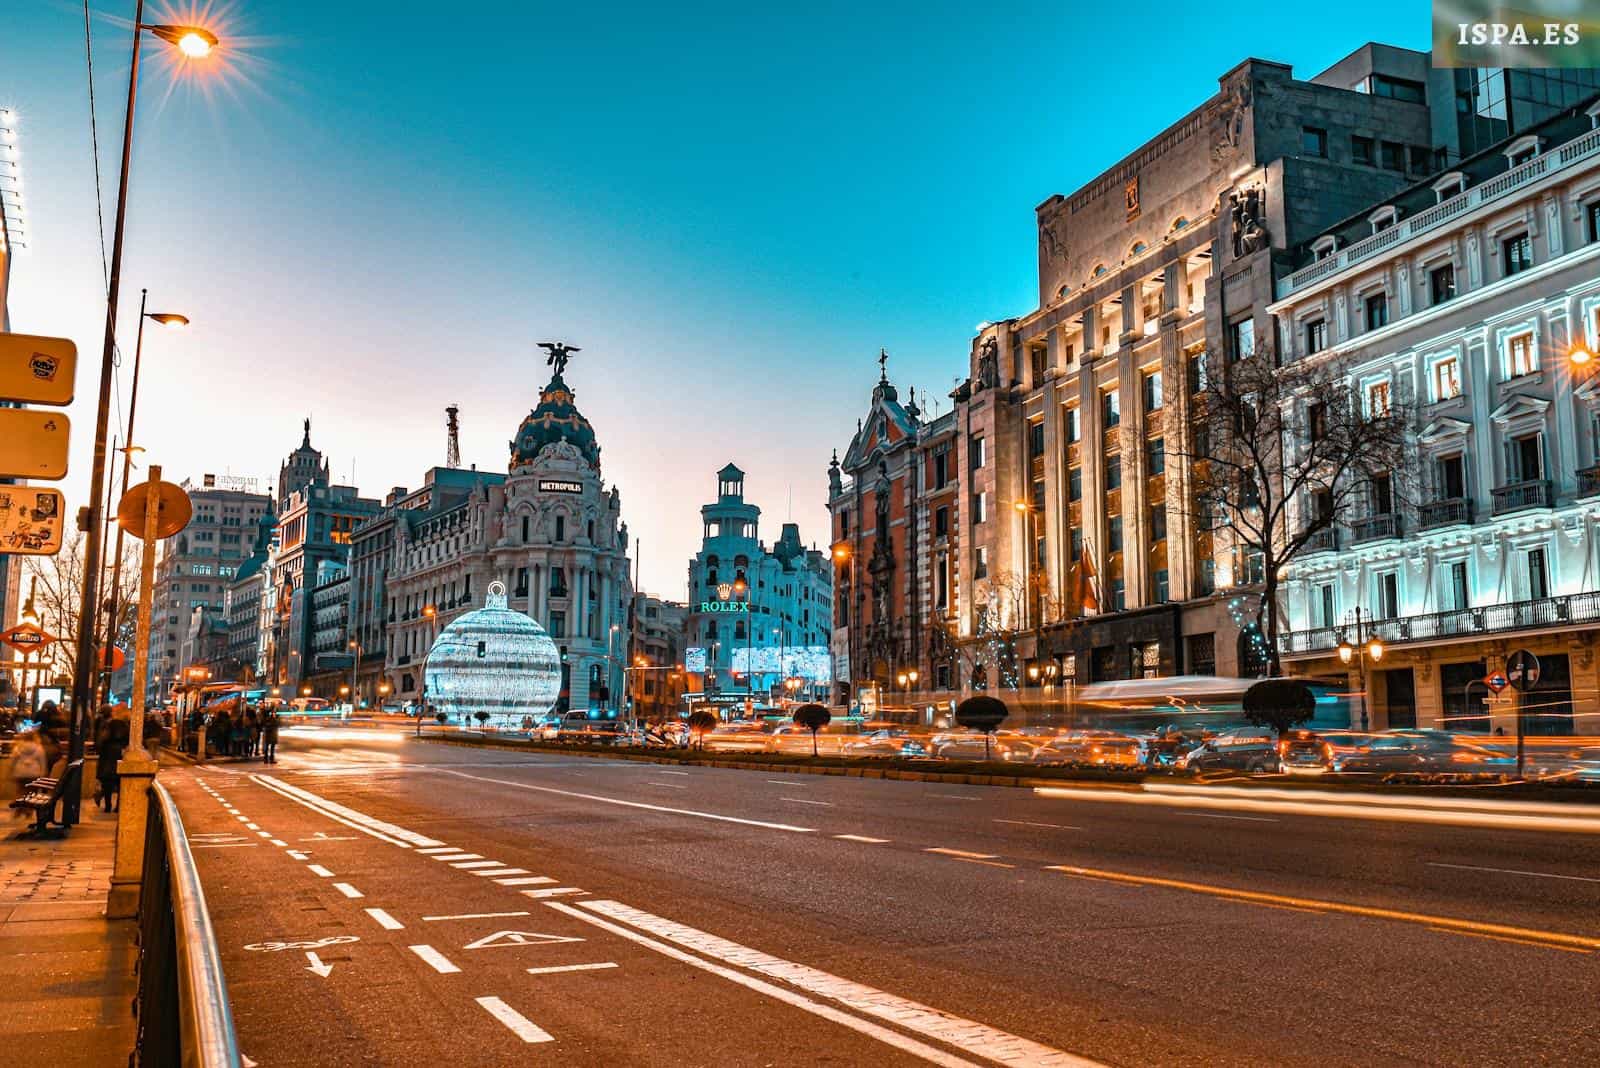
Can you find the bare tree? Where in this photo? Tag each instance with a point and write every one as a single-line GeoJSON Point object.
{"type": "Point", "coordinates": [1278, 455]}
{"type": "Point", "coordinates": [57, 585]}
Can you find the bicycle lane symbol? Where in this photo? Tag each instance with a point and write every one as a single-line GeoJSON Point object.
{"type": "Point", "coordinates": [275, 947]}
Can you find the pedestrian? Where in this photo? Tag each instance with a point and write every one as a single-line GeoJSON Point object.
{"type": "Point", "coordinates": [154, 733]}
{"type": "Point", "coordinates": [269, 736]}
{"type": "Point", "coordinates": [109, 745]}
{"type": "Point", "coordinates": [29, 761]}
{"type": "Point", "coordinates": [221, 730]}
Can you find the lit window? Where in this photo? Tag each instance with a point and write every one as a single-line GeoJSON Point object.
{"type": "Point", "coordinates": [1378, 398]}
{"type": "Point", "coordinates": [1446, 379]}
{"type": "Point", "coordinates": [1519, 354]}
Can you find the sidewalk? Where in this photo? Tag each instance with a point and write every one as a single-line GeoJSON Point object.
{"type": "Point", "coordinates": [69, 971]}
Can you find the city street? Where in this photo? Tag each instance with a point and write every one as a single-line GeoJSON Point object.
{"type": "Point", "coordinates": [380, 900]}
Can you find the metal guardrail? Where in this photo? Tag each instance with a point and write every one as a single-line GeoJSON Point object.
{"type": "Point", "coordinates": [184, 1014]}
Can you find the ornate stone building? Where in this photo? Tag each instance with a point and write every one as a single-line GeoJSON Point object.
{"type": "Point", "coordinates": [550, 530]}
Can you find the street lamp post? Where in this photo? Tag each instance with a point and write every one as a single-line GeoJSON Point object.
{"type": "Point", "coordinates": [355, 665]}
{"type": "Point", "coordinates": [427, 613]}
{"type": "Point", "coordinates": [193, 42]}
{"type": "Point", "coordinates": [1371, 650]}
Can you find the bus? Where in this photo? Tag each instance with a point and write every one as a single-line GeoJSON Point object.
{"type": "Point", "coordinates": [1192, 702]}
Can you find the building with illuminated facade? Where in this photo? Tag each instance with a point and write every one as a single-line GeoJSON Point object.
{"type": "Point", "coordinates": [756, 616]}
{"type": "Point", "coordinates": [1472, 303]}
{"type": "Point", "coordinates": [550, 530]}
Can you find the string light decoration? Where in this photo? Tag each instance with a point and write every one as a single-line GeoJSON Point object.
{"type": "Point", "coordinates": [494, 660]}
{"type": "Point", "coordinates": [1253, 643]}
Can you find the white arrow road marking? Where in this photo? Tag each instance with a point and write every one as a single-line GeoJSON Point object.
{"type": "Point", "coordinates": [317, 965]}
{"type": "Point", "coordinates": [519, 1024]}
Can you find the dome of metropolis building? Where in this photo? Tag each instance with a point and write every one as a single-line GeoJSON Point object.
{"type": "Point", "coordinates": [555, 419]}
{"type": "Point", "coordinates": [494, 660]}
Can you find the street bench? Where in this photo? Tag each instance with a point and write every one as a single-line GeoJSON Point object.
{"type": "Point", "coordinates": [43, 794]}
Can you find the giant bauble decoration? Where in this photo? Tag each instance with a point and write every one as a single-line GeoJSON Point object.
{"type": "Point", "coordinates": [493, 660]}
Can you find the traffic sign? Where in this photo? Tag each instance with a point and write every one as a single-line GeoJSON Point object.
{"type": "Point", "coordinates": [28, 638]}
{"type": "Point", "coordinates": [37, 370]}
{"type": "Point", "coordinates": [172, 506]}
{"type": "Point", "coordinates": [1522, 669]}
{"type": "Point", "coordinates": [31, 520]}
{"type": "Point", "coordinates": [113, 659]}
{"type": "Point", "coordinates": [33, 443]}
{"type": "Point", "coordinates": [1495, 680]}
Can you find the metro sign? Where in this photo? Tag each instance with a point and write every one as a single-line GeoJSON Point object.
{"type": "Point", "coordinates": [1496, 681]}
{"type": "Point", "coordinates": [28, 638]}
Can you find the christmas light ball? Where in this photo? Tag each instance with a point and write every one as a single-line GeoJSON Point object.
{"type": "Point", "coordinates": [493, 660]}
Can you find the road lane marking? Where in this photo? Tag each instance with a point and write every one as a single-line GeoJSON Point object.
{"type": "Point", "coordinates": [359, 821]}
{"type": "Point", "coordinates": [803, 801]}
{"type": "Point", "coordinates": [519, 1024]}
{"type": "Point", "coordinates": [1033, 823]}
{"type": "Point", "coordinates": [519, 938]}
{"type": "Point", "coordinates": [450, 858]}
{"type": "Point", "coordinates": [668, 785]}
{"type": "Point", "coordinates": [782, 782]}
{"type": "Point", "coordinates": [661, 772]}
{"type": "Point", "coordinates": [572, 968]}
{"type": "Point", "coordinates": [1502, 938]}
{"type": "Point", "coordinates": [956, 797]}
{"type": "Point", "coordinates": [347, 890]}
{"type": "Point", "coordinates": [1514, 871]}
{"type": "Point", "coordinates": [1256, 897]}
{"type": "Point", "coordinates": [252, 826]}
{"type": "Point", "coordinates": [861, 838]}
{"type": "Point", "coordinates": [1225, 816]}
{"type": "Point", "coordinates": [986, 863]}
{"type": "Point", "coordinates": [297, 854]}
{"type": "Point", "coordinates": [554, 891]}
{"type": "Point", "coordinates": [968, 1036]}
{"type": "Point", "coordinates": [225, 845]}
{"type": "Point", "coordinates": [495, 872]}
{"type": "Point", "coordinates": [384, 920]}
{"type": "Point", "coordinates": [631, 804]}
{"type": "Point", "coordinates": [263, 834]}
{"type": "Point", "coordinates": [466, 864]}
{"type": "Point", "coordinates": [961, 853]}
{"type": "Point", "coordinates": [279, 843]}
{"type": "Point", "coordinates": [437, 849]}
{"type": "Point", "coordinates": [532, 880]}
{"type": "Point", "coordinates": [472, 916]}
{"type": "Point", "coordinates": [435, 960]}
{"type": "Point", "coordinates": [318, 869]}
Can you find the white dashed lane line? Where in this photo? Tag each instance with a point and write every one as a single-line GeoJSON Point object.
{"type": "Point", "coordinates": [434, 959]}
{"type": "Point", "coordinates": [555, 891]}
{"type": "Point", "coordinates": [318, 869]}
{"type": "Point", "coordinates": [861, 838]}
{"type": "Point", "coordinates": [472, 916]}
{"type": "Point", "coordinates": [959, 853]}
{"type": "Point", "coordinates": [573, 968]}
{"type": "Point", "coordinates": [384, 920]}
{"type": "Point", "coordinates": [531, 880]}
{"type": "Point", "coordinates": [519, 1024]}
{"type": "Point", "coordinates": [803, 801]}
{"type": "Point", "coordinates": [468, 864]}
{"type": "Point", "coordinates": [347, 890]}
{"type": "Point", "coordinates": [495, 873]}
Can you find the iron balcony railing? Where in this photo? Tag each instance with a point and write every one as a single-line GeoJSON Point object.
{"type": "Point", "coordinates": [1536, 493]}
{"type": "Point", "coordinates": [184, 1016]}
{"type": "Point", "coordinates": [1460, 622]}
{"type": "Point", "coordinates": [1325, 540]}
{"type": "Point", "coordinates": [1448, 512]}
{"type": "Point", "coordinates": [1374, 527]}
{"type": "Point", "coordinates": [1589, 481]}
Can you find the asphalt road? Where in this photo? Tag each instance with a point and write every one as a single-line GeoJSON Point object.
{"type": "Point", "coordinates": [483, 907]}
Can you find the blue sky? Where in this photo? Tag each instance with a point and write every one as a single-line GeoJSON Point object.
{"type": "Point", "coordinates": [371, 209]}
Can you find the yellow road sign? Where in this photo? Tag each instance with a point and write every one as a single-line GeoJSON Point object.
{"type": "Point", "coordinates": [37, 370]}
{"type": "Point", "coordinates": [31, 520]}
{"type": "Point", "coordinates": [33, 443]}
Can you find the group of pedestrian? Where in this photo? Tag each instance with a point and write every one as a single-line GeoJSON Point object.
{"type": "Point", "coordinates": [33, 754]}
{"type": "Point", "coordinates": [240, 730]}
{"type": "Point", "coordinates": [111, 734]}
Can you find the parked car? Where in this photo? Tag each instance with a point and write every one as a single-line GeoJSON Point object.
{"type": "Point", "coordinates": [971, 745]}
{"type": "Point", "coordinates": [588, 727]}
{"type": "Point", "coordinates": [889, 742]}
{"type": "Point", "coordinates": [1249, 749]}
{"type": "Point", "coordinates": [740, 736]}
{"type": "Point", "coordinates": [1090, 749]}
{"type": "Point", "coordinates": [1163, 748]}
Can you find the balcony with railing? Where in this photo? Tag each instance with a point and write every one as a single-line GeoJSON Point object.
{"type": "Point", "coordinates": [1325, 540]}
{"type": "Point", "coordinates": [1589, 481]}
{"type": "Point", "coordinates": [1449, 512]}
{"type": "Point", "coordinates": [1517, 496]}
{"type": "Point", "coordinates": [1457, 623]}
{"type": "Point", "coordinates": [1375, 528]}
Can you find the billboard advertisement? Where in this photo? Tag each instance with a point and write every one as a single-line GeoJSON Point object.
{"type": "Point", "coordinates": [814, 663]}
{"type": "Point", "coordinates": [694, 660]}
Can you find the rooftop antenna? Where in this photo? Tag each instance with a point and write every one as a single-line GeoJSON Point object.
{"type": "Point", "coordinates": [452, 451]}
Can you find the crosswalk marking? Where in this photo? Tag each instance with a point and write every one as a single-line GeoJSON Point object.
{"type": "Point", "coordinates": [532, 880]}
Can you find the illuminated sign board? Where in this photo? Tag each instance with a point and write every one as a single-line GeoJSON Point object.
{"type": "Point", "coordinates": [732, 607]}
{"type": "Point", "coordinates": [552, 485]}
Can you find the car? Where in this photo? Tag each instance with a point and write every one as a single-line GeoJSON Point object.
{"type": "Point", "coordinates": [974, 745]}
{"type": "Point", "coordinates": [590, 726]}
{"type": "Point", "coordinates": [793, 738]}
{"type": "Point", "coordinates": [889, 742]}
{"type": "Point", "coordinates": [1252, 750]}
{"type": "Point", "coordinates": [1581, 765]}
{"type": "Point", "coordinates": [740, 736]}
{"type": "Point", "coordinates": [1090, 749]}
{"type": "Point", "coordinates": [1163, 748]}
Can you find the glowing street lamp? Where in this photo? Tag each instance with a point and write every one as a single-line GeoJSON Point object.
{"type": "Point", "coordinates": [193, 41]}
{"type": "Point", "coordinates": [1580, 355]}
{"type": "Point", "coordinates": [1361, 652]}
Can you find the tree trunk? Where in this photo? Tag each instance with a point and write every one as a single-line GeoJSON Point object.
{"type": "Point", "coordinates": [1269, 607]}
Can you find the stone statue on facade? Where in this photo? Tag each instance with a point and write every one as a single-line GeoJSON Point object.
{"type": "Point", "coordinates": [1249, 234]}
{"type": "Point", "coordinates": [989, 364]}
{"type": "Point", "coordinates": [560, 352]}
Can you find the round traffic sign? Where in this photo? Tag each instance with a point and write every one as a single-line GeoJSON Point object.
{"type": "Point", "coordinates": [1522, 670]}
{"type": "Point", "coordinates": [113, 659]}
{"type": "Point", "coordinates": [172, 506]}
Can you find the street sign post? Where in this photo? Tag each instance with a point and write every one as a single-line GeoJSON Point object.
{"type": "Point", "coordinates": [28, 638]}
{"type": "Point", "coordinates": [33, 443]}
{"type": "Point", "coordinates": [37, 370]}
{"type": "Point", "coordinates": [1496, 681]}
{"type": "Point", "coordinates": [31, 520]}
{"type": "Point", "coordinates": [1522, 671]}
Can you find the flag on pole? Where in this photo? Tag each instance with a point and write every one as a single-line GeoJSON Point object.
{"type": "Point", "coordinates": [1086, 594]}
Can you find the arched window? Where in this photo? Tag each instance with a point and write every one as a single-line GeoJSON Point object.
{"type": "Point", "coordinates": [1061, 294]}
{"type": "Point", "coordinates": [1099, 270]}
{"type": "Point", "coordinates": [1179, 223]}
{"type": "Point", "coordinates": [1137, 248]}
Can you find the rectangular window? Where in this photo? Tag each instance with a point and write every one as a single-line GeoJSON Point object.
{"type": "Point", "coordinates": [1525, 461]}
{"type": "Point", "coordinates": [1145, 660]}
{"type": "Point", "coordinates": [1163, 590]}
{"type": "Point", "coordinates": [1075, 544]}
{"type": "Point", "coordinates": [1155, 456]}
{"type": "Point", "coordinates": [1119, 599]}
{"type": "Point", "coordinates": [1593, 211]}
{"type": "Point", "coordinates": [1113, 465]}
{"type": "Point", "coordinates": [1381, 495]}
{"type": "Point", "coordinates": [1519, 354]}
{"type": "Point", "coordinates": [1392, 156]}
{"type": "Point", "coordinates": [1314, 140]}
{"type": "Point", "coordinates": [1039, 358]}
{"type": "Point", "coordinates": [1036, 440]}
{"type": "Point", "coordinates": [1378, 399]}
{"type": "Point", "coordinates": [1152, 391]}
{"type": "Point", "coordinates": [1242, 339]}
{"type": "Point", "coordinates": [1195, 373]}
{"type": "Point", "coordinates": [1516, 254]}
{"type": "Point", "coordinates": [1442, 283]}
{"type": "Point", "coordinates": [1074, 484]}
{"type": "Point", "coordinates": [1421, 160]}
{"type": "Point", "coordinates": [1538, 576]}
{"type": "Point", "coordinates": [980, 562]}
{"type": "Point", "coordinates": [1114, 534]}
{"type": "Point", "coordinates": [1325, 602]}
{"type": "Point", "coordinates": [975, 452]}
{"type": "Point", "coordinates": [1377, 309]}
{"type": "Point", "coordinates": [1158, 522]}
{"type": "Point", "coordinates": [1317, 420]}
{"type": "Point", "coordinates": [941, 522]}
{"type": "Point", "coordinates": [941, 470]}
{"type": "Point", "coordinates": [1072, 425]}
{"type": "Point", "coordinates": [1451, 476]}
{"type": "Point", "coordinates": [1208, 577]}
{"type": "Point", "coordinates": [1316, 335]}
{"type": "Point", "coordinates": [1361, 150]}
{"type": "Point", "coordinates": [1398, 88]}
{"type": "Point", "coordinates": [558, 625]}
{"type": "Point", "coordinates": [980, 508]}
{"type": "Point", "coordinates": [1460, 595]}
{"type": "Point", "coordinates": [1446, 379]}
{"type": "Point", "coordinates": [1200, 652]}
{"type": "Point", "coordinates": [1110, 409]}
{"type": "Point", "coordinates": [1389, 595]}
